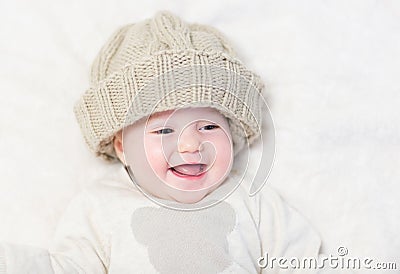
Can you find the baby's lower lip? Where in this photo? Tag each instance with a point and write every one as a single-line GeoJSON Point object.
{"type": "Point", "coordinates": [186, 176]}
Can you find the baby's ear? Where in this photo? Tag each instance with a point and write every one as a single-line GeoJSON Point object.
{"type": "Point", "coordinates": [118, 145]}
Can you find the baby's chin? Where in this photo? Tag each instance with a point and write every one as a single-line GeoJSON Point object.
{"type": "Point", "coordinates": [191, 196]}
{"type": "Point", "coordinates": [188, 197]}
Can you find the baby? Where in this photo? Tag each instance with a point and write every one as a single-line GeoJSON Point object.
{"type": "Point", "coordinates": [189, 153]}
{"type": "Point", "coordinates": [172, 103]}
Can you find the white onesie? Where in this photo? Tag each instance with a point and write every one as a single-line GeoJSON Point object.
{"type": "Point", "coordinates": [111, 227]}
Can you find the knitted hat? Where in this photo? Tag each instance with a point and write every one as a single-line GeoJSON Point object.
{"type": "Point", "coordinates": [161, 64]}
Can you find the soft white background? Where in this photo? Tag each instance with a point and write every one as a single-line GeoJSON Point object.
{"type": "Point", "coordinates": [332, 73]}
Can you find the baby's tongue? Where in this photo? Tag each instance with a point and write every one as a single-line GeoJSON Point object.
{"type": "Point", "coordinates": [190, 169]}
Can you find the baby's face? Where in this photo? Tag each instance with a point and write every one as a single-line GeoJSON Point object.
{"type": "Point", "coordinates": [180, 155]}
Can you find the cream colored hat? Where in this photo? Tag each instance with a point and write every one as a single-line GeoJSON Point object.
{"type": "Point", "coordinates": [161, 64]}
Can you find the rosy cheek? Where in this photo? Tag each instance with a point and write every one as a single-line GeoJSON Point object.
{"type": "Point", "coordinates": [225, 156]}
{"type": "Point", "coordinates": [224, 143]}
{"type": "Point", "coordinates": [156, 157]}
{"type": "Point", "coordinates": [223, 153]}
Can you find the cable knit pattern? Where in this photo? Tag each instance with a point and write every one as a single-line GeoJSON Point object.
{"type": "Point", "coordinates": [160, 64]}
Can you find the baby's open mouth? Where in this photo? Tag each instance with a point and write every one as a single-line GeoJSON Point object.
{"type": "Point", "coordinates": [189, 169]}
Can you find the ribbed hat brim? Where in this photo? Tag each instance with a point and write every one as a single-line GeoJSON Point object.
{"type": "Point", "coordinates": [170, 80]}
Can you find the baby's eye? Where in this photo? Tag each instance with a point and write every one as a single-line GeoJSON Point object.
{"type": "Point", "coordinates": [163, 131]}
{"type": "Point", "coordinates": [209, 127]}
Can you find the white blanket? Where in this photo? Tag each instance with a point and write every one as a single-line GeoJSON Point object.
{"type": "Point", "coordinates": [331, 68]}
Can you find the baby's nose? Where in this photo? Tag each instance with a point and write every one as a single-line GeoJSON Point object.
{"type": "Point", "coordinates": [189, 140]}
